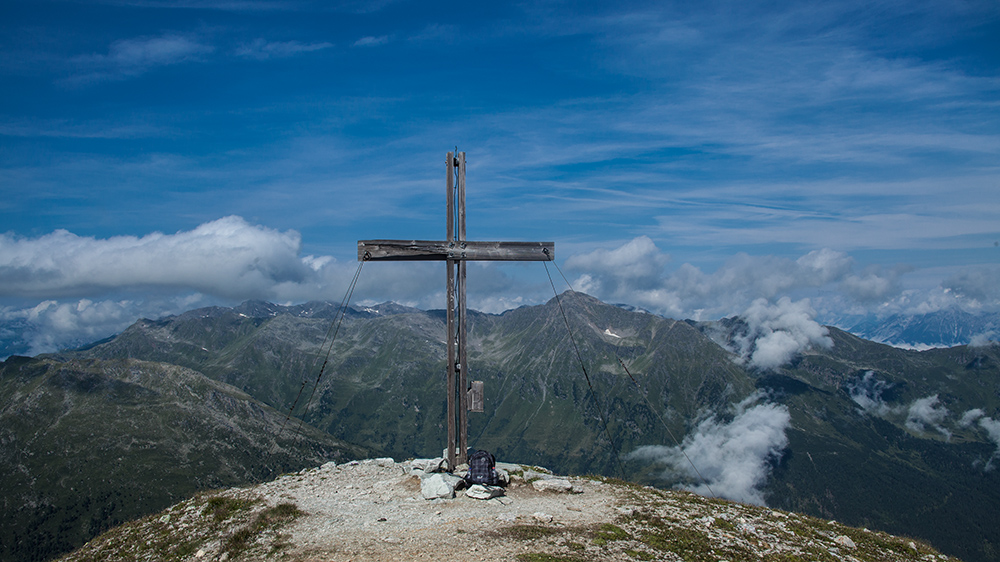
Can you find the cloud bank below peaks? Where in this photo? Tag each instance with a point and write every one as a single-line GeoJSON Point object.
{"type": "Point", "coordinates": [732, 459]}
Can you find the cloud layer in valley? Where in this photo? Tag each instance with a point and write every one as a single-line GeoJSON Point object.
{"type": "Point", "coordinates": [731, 459]}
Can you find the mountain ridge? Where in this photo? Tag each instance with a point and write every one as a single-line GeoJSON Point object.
{"type": "Point", "coordinates": [87, 444]}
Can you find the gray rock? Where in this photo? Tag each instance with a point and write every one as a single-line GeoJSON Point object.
{"type": "Point", "coordinates": [429, 466]}
{"type": "Point", "coordinates": [481, 492]}
{"type": "Point", "coordinates": [503, 477]}
{"type": "Point", "coordinates": [439, 485]}
{"type": "Point", "coordinates": [844, 540]}
{"type": "Point", "coordinates": [557, 485]}
{"type": "Point", "coordinates": [530, 475]}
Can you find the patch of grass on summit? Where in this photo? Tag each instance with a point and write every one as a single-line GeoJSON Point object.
{"type": "Point", "coordinates": [544, 557]}
{"type": "Point", "coordinates": [222, 507]}
{"type": "Point", "coordinates": [527, 532]}
{"type": "Point", "coordinates": [608, 533]}
{"type": "Point", "coordinates": [272, 517]}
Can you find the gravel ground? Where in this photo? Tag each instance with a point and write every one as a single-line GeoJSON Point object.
{"type": "Point", "coordinates": [373, 510]}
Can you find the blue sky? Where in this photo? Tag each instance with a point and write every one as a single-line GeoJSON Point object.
{"type": "Point", "coordinates": [687, 158]}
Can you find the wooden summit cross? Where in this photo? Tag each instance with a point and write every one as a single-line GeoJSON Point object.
{"type": "Point", "coordinates": [456, 250]}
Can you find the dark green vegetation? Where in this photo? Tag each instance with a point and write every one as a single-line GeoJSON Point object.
{"type": "Point", "coordinates": [383, 388]}
{"type": "Point", "coordinates": [88, 444]}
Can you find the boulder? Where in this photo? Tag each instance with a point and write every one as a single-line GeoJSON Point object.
{"type": "Point", "coordinates": [439, 485]}
{"type": "Point", "coordinates": [557, 485]}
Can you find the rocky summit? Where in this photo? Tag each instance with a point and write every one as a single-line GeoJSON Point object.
{"type": "Point", "coordinates": [377, 510]}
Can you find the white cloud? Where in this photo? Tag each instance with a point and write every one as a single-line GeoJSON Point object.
{"type": "Point", "coordinates": [734, 457]}
{"type": "Point", "coordinates": [992, 428]}
{"type": "Point", "coordinates": [635, 273]}
{"type": "Point", "coordinates": [132, 57]}
{"type": "Point", "coordinates": [775, 333]}
{"type": "Point", "coordinates": [635, 266]}
{"type": "Point", "coordinates": [372, 41]}
{"type": "Point", "coordinates": [874, 284]}
{"type": "Point", "coordinates": [227, 257]}
{"type": "Point", "coordinates": [981, 284]}
{"type": "Point", "coordinates": [970, 417]}
{"type": "Point", "coordinates": [81, 280]}
{"type": "Point", "coordinates": [867, 393]}
{"type": "Point", "coordinates": [926, 412]}
{"type": "Point", "coordinates": [985, 339]}
{"type": "Point", "coordinates": [990, 425]}
{"type": "Point", "coordinates": [52, 325]}
{"type": "Point", "coordinates": [262, 49]}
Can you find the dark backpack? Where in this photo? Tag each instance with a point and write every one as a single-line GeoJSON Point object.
{"type": "Point", "coordinates": [482, 469]}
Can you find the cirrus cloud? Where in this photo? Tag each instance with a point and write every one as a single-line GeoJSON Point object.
{"type": "Point", "coordinates": [131, 57]}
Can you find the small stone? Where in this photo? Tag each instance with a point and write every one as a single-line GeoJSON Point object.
{"type": "Point", "coordinates": [200, 553]}
{"type": "Point", "coordinates": [481, 492]}
{"type": "Point", "coordinates": [844, 540]}
{"type": "Point", "coordinates": [165, 518]}
{"type": "Point", "coordinates": [503, 477]}
{"type": "Point", "coordinates": [542, 516]}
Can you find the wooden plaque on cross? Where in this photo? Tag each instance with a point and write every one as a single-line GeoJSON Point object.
{"type": "Point", "coordinates": [455, 251]}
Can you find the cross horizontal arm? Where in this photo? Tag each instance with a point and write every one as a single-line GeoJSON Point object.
{"type": "Point", "coordinates": [422, 250]}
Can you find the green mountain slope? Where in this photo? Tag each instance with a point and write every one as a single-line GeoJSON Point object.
{"type": "Point", "coordinates": [89, 444]}
{"type": "Point", "coordinates": [858, 460]}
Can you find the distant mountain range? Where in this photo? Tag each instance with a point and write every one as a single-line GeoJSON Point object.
{"type": "Point", "coordinates": [857, 431]}
{"type": "Point", "coordinates": [942, 328]}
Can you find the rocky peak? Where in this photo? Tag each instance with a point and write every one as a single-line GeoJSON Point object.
{"type": "Point", "coordinates": [375, 510]}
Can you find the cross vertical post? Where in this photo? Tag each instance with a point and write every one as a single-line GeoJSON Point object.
{"type": "Point", "coordinates": [450, 315]}
{"type": "Point", "coordinates": [455, 250]}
